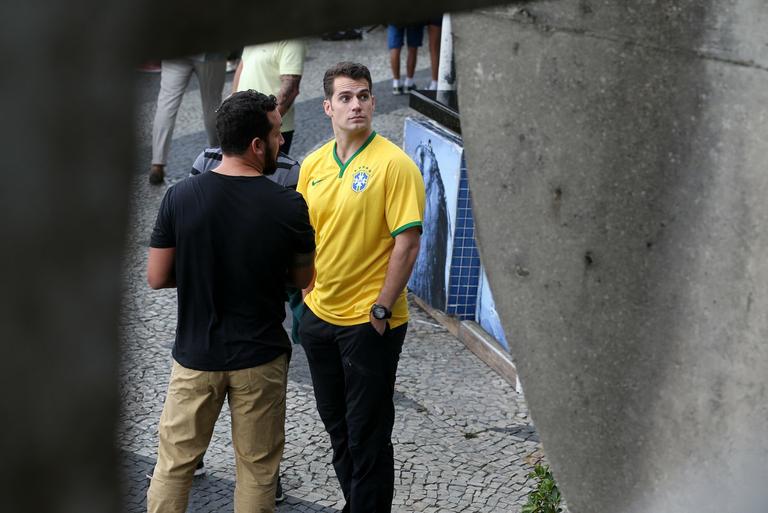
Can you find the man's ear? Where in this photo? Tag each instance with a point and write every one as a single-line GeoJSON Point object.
{"type": "Point", "coordinates": [327, 107]}
{"type": "Point", "coordinates": [257, 145]}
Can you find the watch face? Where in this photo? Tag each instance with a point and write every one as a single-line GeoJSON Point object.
{"type": "Point", "coordinates": [380, 312]}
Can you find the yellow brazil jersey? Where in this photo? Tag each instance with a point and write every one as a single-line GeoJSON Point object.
{"type": "Point", "coordinates": [357, 208]}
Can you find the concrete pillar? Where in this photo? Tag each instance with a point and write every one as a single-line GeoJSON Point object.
{"type": "Point", "coordinates": [617, 155]}
{"type": "Point", "coordinates": [446, 75]}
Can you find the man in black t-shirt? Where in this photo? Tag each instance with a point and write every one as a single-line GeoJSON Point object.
{"type": "Point", "coordinates": [229, 241]}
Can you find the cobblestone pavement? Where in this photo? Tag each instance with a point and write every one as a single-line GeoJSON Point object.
{"type": "Point", "coordinates": [463, 439]}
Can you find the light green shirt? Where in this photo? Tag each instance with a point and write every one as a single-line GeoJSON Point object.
{"type": "Point", "coordinates": [263, 65]}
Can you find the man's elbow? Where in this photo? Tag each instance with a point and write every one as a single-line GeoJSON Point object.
{"type": "Point", "coordinates": [158, 281]}
{"type": "Point", "coordinates": [154, 282]}
{"type": "Point", "coordinates": [408, 244]}
{"type": "Point", "coordinates": [413, 249]}
{"type": "Point", "coordinates": [302, 271]}
{"type": "Point", "coordinates": [160, 268]}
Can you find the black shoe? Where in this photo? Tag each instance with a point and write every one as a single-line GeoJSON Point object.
{"type": "Point", "coordinates": [156, 174]}
{"type": "Point", "coordinates": [279, 495]}
{"type": "Point", "coordinates": [342, 35]}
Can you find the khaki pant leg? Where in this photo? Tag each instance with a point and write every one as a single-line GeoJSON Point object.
{"type": "Point", "coordinates": [191, 408]}
{"type": "Point", "coordinates": [174, 78]}
{"type": "Point", "coordinates": [257, 404]}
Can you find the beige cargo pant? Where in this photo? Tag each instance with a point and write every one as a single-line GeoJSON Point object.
{"type": "Point", "coordinates": [257, 404]}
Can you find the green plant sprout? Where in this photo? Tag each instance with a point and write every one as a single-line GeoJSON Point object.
{"type": "Point", "coordinates": [545, 498]}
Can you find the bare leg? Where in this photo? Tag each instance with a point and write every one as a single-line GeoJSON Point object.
{"type": "Point", "coordinates": [394, 62]}
{"type": "Point", "coordinates": [410, 62]}
{"type": "Point", "coordinates": [433, 33]}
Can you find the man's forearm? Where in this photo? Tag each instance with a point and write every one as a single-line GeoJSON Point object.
{"type": "Point", "coordinates": [236, 78]}
{"type": "Point", "coordinates": [170, 283]}
{"type": "Point", "coordinates": [300, 277]}
{"type": "Point", "coordinates": [289, 90]}
{"type": "Point", "coordinates": [400, 266]}
{"type": "Point", "coordinates": [306, 290]}
{"type": "Point", "coordinates": [161, 268]}
{"type": "Point", "coordinates": [302, 272]}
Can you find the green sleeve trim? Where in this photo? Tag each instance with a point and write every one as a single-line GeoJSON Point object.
{"type": "Point", "coordinates": [343, 166]}
{"type": "Point", "coordinates": [405, 227]}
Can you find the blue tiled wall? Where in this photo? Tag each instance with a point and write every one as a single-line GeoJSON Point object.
{"type": "Point", "coordinates": [464, 277]}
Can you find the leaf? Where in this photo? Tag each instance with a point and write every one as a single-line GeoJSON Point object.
{"type": "Point", "coordinates": [546, 497]}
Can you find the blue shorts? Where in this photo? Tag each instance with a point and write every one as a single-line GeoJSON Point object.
{"type": "Point", "coordinates": [414, 35]}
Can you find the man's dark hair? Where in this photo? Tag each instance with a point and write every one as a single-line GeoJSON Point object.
{"type": "Point", "coordinates": [352, 70]}
{"type": "Point", "coordinates": [241, 118]}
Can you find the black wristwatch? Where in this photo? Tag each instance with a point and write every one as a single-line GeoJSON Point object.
{"type": "Point", "coordinates": [380, 312]}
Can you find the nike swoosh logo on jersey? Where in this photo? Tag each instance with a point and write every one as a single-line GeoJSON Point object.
{"type": "Point", "coordinates": [315, 182]}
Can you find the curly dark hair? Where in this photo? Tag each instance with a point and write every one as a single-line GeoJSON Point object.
{"type": "Point", "coordinates": [353, 70]}
{"type": "Point", "coordinates": [241, 118]}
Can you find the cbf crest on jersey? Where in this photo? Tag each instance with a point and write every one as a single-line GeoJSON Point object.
{"type": "Point", "coordinates": [360, 179]}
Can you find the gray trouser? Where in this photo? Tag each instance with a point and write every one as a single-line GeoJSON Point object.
{"type": "Point", "coordinates": [173, 81]}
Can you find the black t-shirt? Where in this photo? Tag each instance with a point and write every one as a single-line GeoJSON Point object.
{"type": "Point", "coordinates": [234, 239]}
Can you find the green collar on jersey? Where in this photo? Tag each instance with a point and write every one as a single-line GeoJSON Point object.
{"type": "Point", "coordinates": [343, 166]}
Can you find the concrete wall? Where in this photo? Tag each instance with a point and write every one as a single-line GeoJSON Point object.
{"type": "Point", "coordinates": [618, 168]}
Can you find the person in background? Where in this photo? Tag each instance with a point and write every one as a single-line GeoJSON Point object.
{"type": "Point", "coordinates": [274, 68]}
{"type": "Point", "coordinates": [434, 32]}
{"type": "Point", "coordinates": [286, 174]}
{"type": "Point", "coordinates": [414, 35]}
{"type": "Point", "coordinates": [174, 78]}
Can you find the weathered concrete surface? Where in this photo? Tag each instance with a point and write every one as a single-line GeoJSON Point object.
{"type": "Point", "coordinates": [66, 95]}
{"type": "Point", "coordinates": [618, 154]}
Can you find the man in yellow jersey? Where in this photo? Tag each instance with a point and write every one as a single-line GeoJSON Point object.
{"type": "Point", "coordinates": [366, 203]}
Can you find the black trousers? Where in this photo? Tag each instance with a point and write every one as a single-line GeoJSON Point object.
{"type": "Point", "coordinates": [353, 374]}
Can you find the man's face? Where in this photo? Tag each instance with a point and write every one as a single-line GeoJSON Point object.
{"type": "Point", "coordinates": [351, 106]}
{"type": "Point", "coordinates": [272, 143]}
